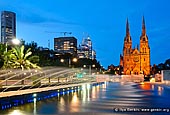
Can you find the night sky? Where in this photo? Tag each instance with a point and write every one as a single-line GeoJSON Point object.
{"type": "Point", "coordinates": [103, 20]}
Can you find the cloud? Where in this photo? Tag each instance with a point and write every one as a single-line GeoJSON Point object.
{"type": "Point", "coordinates": [36, 18]}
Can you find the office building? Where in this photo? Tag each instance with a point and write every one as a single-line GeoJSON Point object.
{"type": "Point", "coordinates": [8, 26]}
{"type": "Point", "coordinates": [85, 49]}
{"type": "Point", "coordinates": [65, 45]}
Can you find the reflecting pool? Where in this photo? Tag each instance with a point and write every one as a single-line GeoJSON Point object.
{"type": "Point", "coordinates": [104, 99]}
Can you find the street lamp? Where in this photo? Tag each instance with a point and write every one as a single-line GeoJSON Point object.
{"type": "Point", "coordinates": [14, 42]}
{"type": "Point", "coordinates": [61, 60]}
{"type": "Point", "coordinates": [69, 61]}
{"type": "Point", "coordinates": [74, 59]}
{"type": "Point", "coordinates": [90, 66]}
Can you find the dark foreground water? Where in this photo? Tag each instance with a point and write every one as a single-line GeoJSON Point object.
{"type": "Point", "coordinates": [106, 99]}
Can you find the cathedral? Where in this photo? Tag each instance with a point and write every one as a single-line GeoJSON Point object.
{"type": "Point", "coordinates": [137, 60]}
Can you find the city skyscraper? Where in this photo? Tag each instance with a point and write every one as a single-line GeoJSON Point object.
{"type": "Point", "coordinates": [137, 60]}
{"type": "Point", "coordinates": [85, 49]}
{"type": "Point", "coordinates": [8, 26]}
{"type": "Point", "coordinates": [63, 45]}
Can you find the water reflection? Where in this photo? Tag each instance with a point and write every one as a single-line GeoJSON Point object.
{"type": "Point", "coordinates": [146, 86]}
{"type": "Point", "coordinates": [104, 85]}
{"type": "Point", "coordinates": [156, 88]}
{"type": "Point", "coordinates": [62, 103]}
{"type": "Point", "coordinates": [101, 98]}
{"type": "Point", "coordinates": [88, 92]}
{"type": "Point", "coordinates": [35, 106]}
{"type": "Point", "coordinates": [75, 103]}
{"type": "Point", "coordinates": [16, 112]}
{"type": "Point", "coordinates": [153, 87]}
{"type": "Point", "coordinates": [93, 93]}
{"type": "Point", "coordinates": [160, 90]}
{"type": "Point", "coordinates": [83, 93]}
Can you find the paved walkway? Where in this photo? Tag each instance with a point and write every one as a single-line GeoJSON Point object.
{"type": "Point", "coordinates": [36, 90]}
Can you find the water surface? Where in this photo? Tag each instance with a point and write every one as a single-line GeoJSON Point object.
{"type": "Point", "coordinates": [106, 99]}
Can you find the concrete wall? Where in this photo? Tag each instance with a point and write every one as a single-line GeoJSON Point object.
{"type": "Point", "coordinates": [166, 75]}
{"type": "Point", "coordinates": [132, 78]}
{"type": "Point", "coordinates": [120, 78]}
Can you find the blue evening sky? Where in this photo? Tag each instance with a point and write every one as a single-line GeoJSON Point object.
{"type": "Point", "coordinates": [103, 20]}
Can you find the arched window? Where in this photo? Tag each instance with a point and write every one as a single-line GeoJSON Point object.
{"type": "Point", "coordinates": [127, 50]}
{"type": "Point", "coordinates": [144, 50]}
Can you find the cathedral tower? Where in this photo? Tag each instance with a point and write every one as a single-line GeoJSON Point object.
{"type": "Point", "coordinates": [137, 60]}
{"type": "Point", "coordinates": [127, 48]}
{"type": "Point", "coordinates": [144, 51]}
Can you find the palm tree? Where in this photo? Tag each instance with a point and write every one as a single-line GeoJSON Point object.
{"type": "Point", "coordinates": [17, 58]}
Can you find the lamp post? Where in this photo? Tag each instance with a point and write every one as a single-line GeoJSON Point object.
{"type": "Point", "coordinates": [90, 67]}
{"type": "Point", "coordinates": [14, 42]}
{"type": "Point", "coordinates": [69, 61]}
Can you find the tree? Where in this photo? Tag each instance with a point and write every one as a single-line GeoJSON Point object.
{"type": "Point", "coordinates": [167, 64]}
{"type": "Point", "coordinates": [17, 58]}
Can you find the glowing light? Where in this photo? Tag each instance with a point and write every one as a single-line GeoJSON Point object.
{"type": "Point", "coordinates": [62, 60]}
{"type": "Point", "coordinates": [15, 41]}
{"type": "Point", "coordinates": [142, 83]}
{"type": "Point", "coordinates": [34, 95]}
{"type": "Point", "coordinates": [74, 59]}
{"type": "Point", "coordinates": [152, 80]}
{"type": "Point", "coordinates": [68, 92]}
{"type": "Point", "coordinates": [16, 112]}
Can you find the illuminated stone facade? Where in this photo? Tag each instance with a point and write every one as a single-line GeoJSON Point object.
{"type": "Point", "coordinates": [137, 60]}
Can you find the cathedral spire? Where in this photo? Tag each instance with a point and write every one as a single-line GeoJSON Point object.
{"type": "Point", "coordinates": [127, 28]}
{"type": "Point", "coordinates": [127, 37]}
{"type": "Point", "coordinates": [143, 26]}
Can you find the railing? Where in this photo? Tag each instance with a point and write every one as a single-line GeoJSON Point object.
{"type": "Point", "coordinates": [12, 80]}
